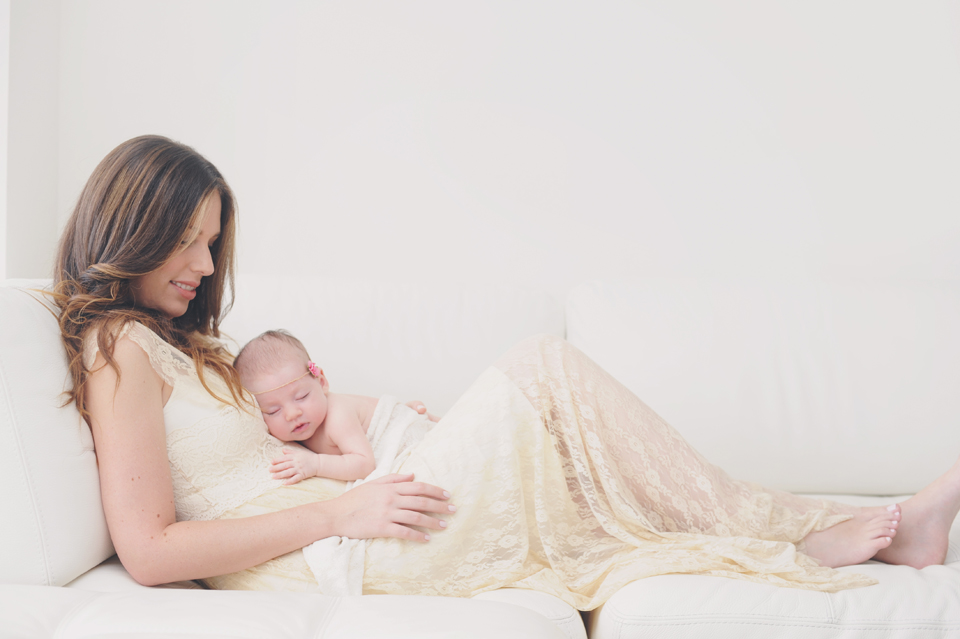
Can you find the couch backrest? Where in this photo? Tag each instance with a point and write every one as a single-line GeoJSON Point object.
{"type": "Point", "coordinates": [426, 342]}
{"type": "Point", "coordinates": [832, 387]}
{"type": "Point", "coordinates": [52, 528]}
{"type": "Point", "coordinates": [416, 342]}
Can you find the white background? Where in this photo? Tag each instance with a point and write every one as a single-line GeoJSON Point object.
{"type": "Point", "coordinates": [540, 143]}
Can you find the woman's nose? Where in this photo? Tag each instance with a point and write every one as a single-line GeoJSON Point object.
{"type": "Point", "coordinates": [204, 262]}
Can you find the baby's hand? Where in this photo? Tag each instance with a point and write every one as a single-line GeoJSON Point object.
{"type": "Point", "coordinates": [295, 464]}
{"type": "Point", "coordinates": [418, 406]}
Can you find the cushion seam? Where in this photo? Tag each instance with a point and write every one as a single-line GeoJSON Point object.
{"type": "Point", "coordinates": [28, 488]}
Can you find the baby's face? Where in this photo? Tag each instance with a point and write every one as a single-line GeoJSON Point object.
{"type": "Point", "coordinates": [294, 411]}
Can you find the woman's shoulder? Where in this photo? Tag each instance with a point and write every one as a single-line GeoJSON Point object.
{"type": "Point", "coordinates": [133, 339]}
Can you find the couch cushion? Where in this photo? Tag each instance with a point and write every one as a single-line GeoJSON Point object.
{"type": "Point", "coordinates": [53, 527]}
{"type": "Point", "coordinates": [426, 342]}
{"type": "Point", "coordinates": [38, 612]}
{"type": "Point", "coordinates": [906, 603]}
{"type": "Point", "coordinates": [110, 576]}
{"type": "Point", "coordinates": [835, 387]}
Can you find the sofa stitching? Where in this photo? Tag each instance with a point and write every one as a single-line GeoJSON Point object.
{"type": "Point", "coordinates": [884, 627]}
{"type": "Point", "coordinates": [572, 621]}
{"type": "Point", "coordinates": [71, 614]}
{"type": "Point", "coordinates": [322, 626]}
{"type": "Point", "coordinates": [831, 612]}
{"type": "Point", "coordinates": [28, 488]}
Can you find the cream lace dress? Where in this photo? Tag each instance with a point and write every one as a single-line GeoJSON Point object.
{"type": "Point", "coordinates": [565, 482]}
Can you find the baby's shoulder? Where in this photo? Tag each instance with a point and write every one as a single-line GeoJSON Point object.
{"type": "Point", "coordinates": [350, 410]}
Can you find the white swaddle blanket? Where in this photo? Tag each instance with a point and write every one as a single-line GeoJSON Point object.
{"type": "Point", "coordinates": [337, 562]}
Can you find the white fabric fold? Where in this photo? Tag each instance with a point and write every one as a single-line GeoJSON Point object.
{"type": "Point", "coordinates": [337, 562]}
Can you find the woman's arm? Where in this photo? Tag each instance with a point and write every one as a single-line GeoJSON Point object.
{"type": "Point", "coordinates": [137, 493]}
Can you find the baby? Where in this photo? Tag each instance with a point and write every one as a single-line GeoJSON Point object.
{"type": "Point", "coordinates": [297, 405]}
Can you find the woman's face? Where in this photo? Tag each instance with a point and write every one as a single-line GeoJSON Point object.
{"type": "Point", "coordinates": [170, 288]}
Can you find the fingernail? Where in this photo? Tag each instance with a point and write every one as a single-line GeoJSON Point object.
{"type": "Point", "coordinates": [426, 537]}
{"type": "Point", "coordinates": [888, 539]}
{"type": "Point", "coordinates": [446, 494]}
{"type": "Point", "coordinates": [443, 524]}
{"type": "Point", "coordinates": [892, 508]}
{"type": "Point", "coordinates": [452, 508]}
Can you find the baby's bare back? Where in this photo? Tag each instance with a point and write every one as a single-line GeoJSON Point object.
{"type": "Point", "coordinates": [346, 415]}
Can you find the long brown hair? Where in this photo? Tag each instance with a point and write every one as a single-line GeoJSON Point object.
{"type": "Point", "coordinates": [141, 202]}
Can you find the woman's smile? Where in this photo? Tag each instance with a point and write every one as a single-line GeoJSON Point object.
{"type": "Point", "coordinates": [189, 291]}
{"type": "Point", "coordinates": [170, 288]}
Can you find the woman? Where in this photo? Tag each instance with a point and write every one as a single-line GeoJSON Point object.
{"type": "Point", "coordinates": [565, 481]}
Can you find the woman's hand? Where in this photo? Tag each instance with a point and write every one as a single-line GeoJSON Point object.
{"type": "Point", "coordinates": [419, 406]}
{"type": "Point", "coordinates": [390, 507]}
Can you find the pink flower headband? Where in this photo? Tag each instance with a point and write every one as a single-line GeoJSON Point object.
{"type": "Point", "coordinates": [312, 369]}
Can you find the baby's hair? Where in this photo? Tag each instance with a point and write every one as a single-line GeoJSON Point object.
{"type": "Point", "coordinates": [263, 352]}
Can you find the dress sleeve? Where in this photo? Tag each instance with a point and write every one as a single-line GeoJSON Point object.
{"type": "Point", "coordinates": [168, 362]}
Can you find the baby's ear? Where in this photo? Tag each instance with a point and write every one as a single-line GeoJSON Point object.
{"type": "Point", "coordinates": [323, 381]}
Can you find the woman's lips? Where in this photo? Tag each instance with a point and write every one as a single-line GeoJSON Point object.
{"type": "Point", "coordinates": [186, 293]}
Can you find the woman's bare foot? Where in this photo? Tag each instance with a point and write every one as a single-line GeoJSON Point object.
{"type": "Point", "coordinates": [855, 540]}
{"type": "Point", "coordinates": [925, 529]}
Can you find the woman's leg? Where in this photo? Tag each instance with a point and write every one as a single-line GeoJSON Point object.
{"type": "Point", "coordinates": [626, 463]}
{"type": "Point", "coordinates": [924, 531]}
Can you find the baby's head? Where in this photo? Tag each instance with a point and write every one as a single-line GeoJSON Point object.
{"type": "Point", "coordinates": [290, 389]}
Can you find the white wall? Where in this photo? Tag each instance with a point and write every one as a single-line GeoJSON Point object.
{"type": "Point", "coordinates": [542, 143]}
{"type": "Point", "coordinates": [33, 137]}
{"type": "Point", "coordinates": [4, 96]}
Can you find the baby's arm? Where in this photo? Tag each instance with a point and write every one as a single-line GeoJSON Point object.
{"type": "Point", "coordinates": [343, 428]}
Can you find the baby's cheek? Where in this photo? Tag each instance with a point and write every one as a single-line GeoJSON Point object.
{"type": "Point", "coordinates": [270, 429]}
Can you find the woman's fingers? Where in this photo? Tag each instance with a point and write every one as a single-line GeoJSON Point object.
{"type": "Point", "coordinates": [425, 505]}
{"type": "Point", "coordinates": [393, 506]}
{"type": "Point", "coordinates": [402, 532]}
{"type": "Point", "coordinates": [412, 518]}
{"type": "Point", "coordinates": [417, 405]}
{"type": "Point", "coordinates": [394, 478]}
{"type": "Point", "coordinates": [408, 487]}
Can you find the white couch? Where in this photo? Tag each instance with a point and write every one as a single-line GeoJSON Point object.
{"type": "Point", "coordinates": [813, 387]}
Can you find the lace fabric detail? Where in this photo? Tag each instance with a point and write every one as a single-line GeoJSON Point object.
{"type": "Point", "coordinates": [567, 483]}
{"type": "Point", "coordinates": [219, 453]}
